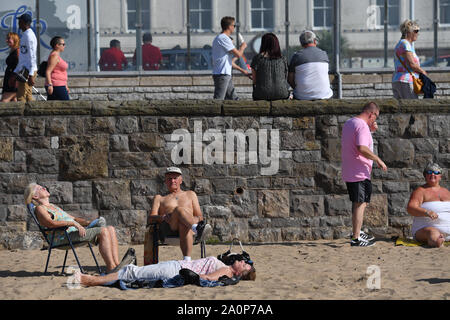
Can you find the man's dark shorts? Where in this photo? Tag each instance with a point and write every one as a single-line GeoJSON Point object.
{"type": "Point", "coordinates": [360, 191]}
{"type": "Point", "coordinates": [165, 231]}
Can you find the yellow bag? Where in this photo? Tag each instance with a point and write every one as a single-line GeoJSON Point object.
{"type": "Point", "coordinates": [417, 83]}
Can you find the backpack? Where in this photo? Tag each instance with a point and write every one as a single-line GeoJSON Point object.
{"type": "Point", "coordinates": [229, 257]}
{"type": "Point", "coordinates": [42, 69]}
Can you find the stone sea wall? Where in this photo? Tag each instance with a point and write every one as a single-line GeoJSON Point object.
{"type": "Point", "coordinates": [107, 158]}
{"type": "Point", "coordinates": [155, 86]}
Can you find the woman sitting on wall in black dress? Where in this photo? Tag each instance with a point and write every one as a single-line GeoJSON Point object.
{"type": "Point", "coordinates": [270, 71]}
{"type": "Point", "coordinates": [9, 81]}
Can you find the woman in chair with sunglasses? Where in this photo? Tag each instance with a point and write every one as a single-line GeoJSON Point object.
{"type": "Point", "coordinates": [56, 73]}
{"type": "Point", "coordinates": [51, 216]}
{"type": "Point", "coordinates": [430, 206]}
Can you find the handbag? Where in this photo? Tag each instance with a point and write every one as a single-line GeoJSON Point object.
{"type": "Point", "coordinates": [229, 257]}
{"type": "Point", "coordinates": [417, 82]}
{"type": "Point", "coordinates": [22, 75]}
{"type": "Point", "coordinates": [42, 69]}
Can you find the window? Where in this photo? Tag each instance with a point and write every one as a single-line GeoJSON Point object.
{"type": "Point", "coordinates": [444, 8]}
{"type": "Point", "coordinates": [323, 13]}
{"type": "Point", "coordinates": [393, 13]}
{"type": "Point", "coordinates": [200, 15]}
{"type": "Point", "coordinates": [262, 15]}
{"type": "Point", "coordinates": [131, 14]}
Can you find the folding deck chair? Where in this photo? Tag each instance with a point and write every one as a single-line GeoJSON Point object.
{"type": "Point", "coordinates": [67, 247]}
{"type": "Point", "coordinates": [153, 232]}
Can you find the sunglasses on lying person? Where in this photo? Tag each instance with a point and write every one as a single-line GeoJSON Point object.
{"type": "Point", "coordinates": [432, 171]}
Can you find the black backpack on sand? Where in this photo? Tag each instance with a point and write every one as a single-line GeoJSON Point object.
{"type": "Point", "coordinates": [229, 257]}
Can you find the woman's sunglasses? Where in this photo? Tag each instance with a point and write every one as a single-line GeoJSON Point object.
{"type": "Point", "coordinates": [432, 171]}
{"type": "Point", "coordinates": [416, 31]}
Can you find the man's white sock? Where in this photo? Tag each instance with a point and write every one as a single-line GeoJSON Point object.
{"type": "Point", "coordinates": [187, 258]}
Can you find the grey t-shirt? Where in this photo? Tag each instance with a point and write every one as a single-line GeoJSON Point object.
{"type": "Point", "coordinates": [310, 66]}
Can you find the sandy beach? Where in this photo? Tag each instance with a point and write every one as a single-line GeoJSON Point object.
{"type": "Point", "coordinates": [318, 269]}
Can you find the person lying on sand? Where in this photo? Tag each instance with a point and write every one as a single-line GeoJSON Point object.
{"type": "Point", "coordinates": [209, 268]}
{"type": "Point", "coordinates": [430, 206]}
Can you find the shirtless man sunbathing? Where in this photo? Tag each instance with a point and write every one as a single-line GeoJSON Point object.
{"type": "Point", "coordinates": [430, 206]}
{"type": "Point", "coordinates": [179, 211]}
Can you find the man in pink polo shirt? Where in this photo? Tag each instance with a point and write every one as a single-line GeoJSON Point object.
{"type": "Point", "coordinates": [357, 158]}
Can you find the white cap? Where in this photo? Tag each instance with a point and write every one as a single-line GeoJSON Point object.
{"type": "Point", "coordinates": [173, 170]}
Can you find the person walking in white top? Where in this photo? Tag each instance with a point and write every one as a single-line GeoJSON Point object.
{"type": "Point", "coordinates": [27, 58]}
{"type": "Point", "coordinates": [223, 50]}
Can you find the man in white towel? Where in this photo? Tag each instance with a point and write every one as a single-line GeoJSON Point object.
{"type": "Point", "coordinates": [430, 206]}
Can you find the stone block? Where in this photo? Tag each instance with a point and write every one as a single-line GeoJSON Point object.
{"type": "Point", "coordinates": [17, 213]}
{"type": "Point", "coordinates": [202, 186]}
{"type": "Point", "coordinates": [42, 161]}
{"type": "Point", "coordinates": [376, 213]}
{"type": "Point", "coordinates": [170, 124]}
{"type": "Point", "coordinates": [221, 212]}
{"type": "Point", "coordinates": [224, 185]}
{"type": "Point", "coordinates": [390, 187]}
{"type": "Point", "coordinates": [84, 157]}
{"type": "Point", "coordinates": [112, 217]}
{"type": "Point", "coordinates": [303, 123]}
{"type": "Point", "coordinates": [82, 192]}
{"type": "Point", "coordinates": [328, 178]}
{"type": "Point", "coordinates": [145, 142]}
{"type": "Point", "coordinates": [336, 205]}
{"type": "Point", "coordinates": [134, 218]}
{"type": "Point", "coordinates": [426, 146]}
{"type": "Point", "coordinates": [331, 149]}
{"type": "Point", "coordinates": [9, 127]}
{"type": "Point", "coordinates": [396, 152]}
{"type": "Point", "coordinates": [273, 203]}
{"type": "Point", "coordinates": [30, 143]}
{"type": "Point", "coordinates": [444, 145]}
{"type": "Point", "coordinates": [142, 202]}
{"type": "Point", "coordinates": [25, 241]}
{"type": "Point", "coordinates": [292, 139]}
{"type": "Point", "coordinates": [398, 124]}
{"type": "Point", "coordinates": [244, 205]}
{"type": "Point", "coordinates": [118, 143]}
{"type": "Point", "coordinates": [105, 125]}
{"type": "Point", "coordinates": [32, 127]}
{"type": "Point", "coordinates": [127, 125]}
{"type": "Point", "coordinates": [397, 204]}
{"type": "Point", "coordinates": [112, 195]}
{"type": "Point", "coordinates": [60, 192]}
{"type": "Point", "coordinates": [307, 206]}
{"type": "Point", "coordinates": [439, 126]}
{"type": "Point", "coordinates": [418, 126]}
{"type": "Point", "coordinates": [6, 149]}
{"type": "Point", "coordinates": [146, 187]}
